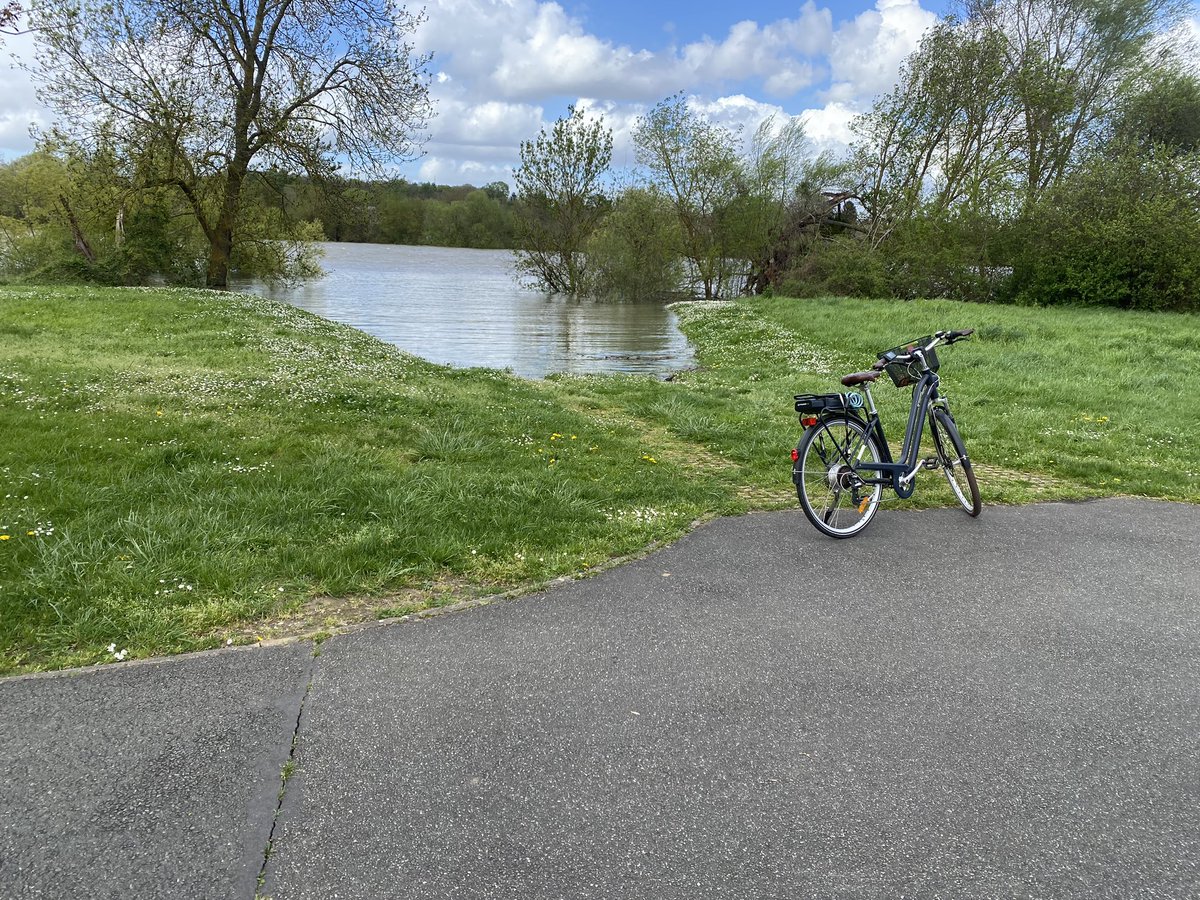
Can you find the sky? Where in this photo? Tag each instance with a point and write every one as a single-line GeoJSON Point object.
{"type": "Point", "coordinates": [503, 69]}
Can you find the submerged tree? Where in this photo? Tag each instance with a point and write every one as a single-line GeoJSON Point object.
{"type": "Point", "coordinates": [635, 253]}
{"type": "Point", "coordinates": [695, 164]}
{"type": "Point", "coordinates": [561, 200]}
{"type": "Point", "coordinates": [191, 94]}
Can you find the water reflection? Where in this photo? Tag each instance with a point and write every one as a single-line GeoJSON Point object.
{"type": "Point", "coordinates": [463, 308]}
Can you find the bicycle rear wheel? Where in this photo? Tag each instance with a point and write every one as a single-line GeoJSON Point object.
{"type": "Point", "coordinates": [830, 486]}
{"type": "Point", "coordinates": [952, 454]}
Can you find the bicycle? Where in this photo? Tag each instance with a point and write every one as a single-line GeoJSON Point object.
{"type": "Point", "coordinates": [842, 463]}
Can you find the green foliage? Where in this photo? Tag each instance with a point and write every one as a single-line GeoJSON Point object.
{"type": "Point", "coordinates": [561, 200]}
{"type": "Point", "coordinates": [695, 164]}
{"type": "Point", "coordinates": [950, 254]}
{"type": "Point", "coordinates": [478, 221]}
{"type": "Point", "coordinates": [988, 156]}
{"type": "Point", "coordinates": [635, 255]}
{"type": "Point", "coordinates": [80, 219]}
{"type": "Point", "coordinates": [187, 96]}
{"type": "Point", "coordinates": [841, 267]}
{"type": "Point", "coordinates": [1162, 110]}
{"type": "Point", "coordinates": [137, 233]}
{"type": "Point", "coordinates": [1123, 230]}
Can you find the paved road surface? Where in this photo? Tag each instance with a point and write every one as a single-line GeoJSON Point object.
{"type": "Point", "coordinates": [940, 707]}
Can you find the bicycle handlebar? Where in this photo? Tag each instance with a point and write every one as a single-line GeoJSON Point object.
{"type": "Point", "coordinates": [941, 337]}
{"type": "Point", "coordinates": [952, 336]}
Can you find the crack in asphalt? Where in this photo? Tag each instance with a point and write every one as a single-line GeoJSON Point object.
{"type": "Point", "coordinates": [285, 774]}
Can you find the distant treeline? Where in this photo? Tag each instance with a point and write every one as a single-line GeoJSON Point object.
{"type": "Point", "coordinates": [393, 212]}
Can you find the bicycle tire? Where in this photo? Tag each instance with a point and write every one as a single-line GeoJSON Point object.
{"type": "Point", "coordinates": [832, 495]}
{"type": "Point", "coordinates": [955, 460]}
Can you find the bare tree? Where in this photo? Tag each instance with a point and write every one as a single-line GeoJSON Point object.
{"type": "Point", "coordinates": [194, 93]}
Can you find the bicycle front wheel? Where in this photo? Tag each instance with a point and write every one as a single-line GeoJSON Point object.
{"type": "Point", "coordinates": [955, 465]}
{"type": "Point", "coordinates": [830, 484]}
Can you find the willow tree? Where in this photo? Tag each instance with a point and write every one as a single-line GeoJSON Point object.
{"type": "Point", "coordinates": [195, 95]}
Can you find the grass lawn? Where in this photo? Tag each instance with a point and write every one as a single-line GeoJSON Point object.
{"type": "Point", "coordinates": [185, 468]}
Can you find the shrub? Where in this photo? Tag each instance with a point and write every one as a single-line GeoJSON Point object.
{"type": "Point", "coordinates": [846, 267]}
{"type": "Point", "coordinates": [1122, 231]}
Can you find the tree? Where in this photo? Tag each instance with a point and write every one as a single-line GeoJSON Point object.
{"type": "Point", "coordinates": [781, 209]}
{"type": "Point", "coordinates": [942, 137]}
{"type": "Point", "coordinates": [1066, 63]}
{"type": "Point", "coordinates": [76, 218]}
{"type": "Point", "coordinates": [1122, 229]}
{"type": "Point", "coordinates": [192, 94]}
{"type": "Point", "coordinates": [634, 254]}
{"type": "Point", "coordinates": [992, 113]}
{"type": "Point", "coordinates": [1163, 109]}
{"type": "Point", "coordinates": [695, 164]}
{"type": "Point", "coordinates": [561, 200]}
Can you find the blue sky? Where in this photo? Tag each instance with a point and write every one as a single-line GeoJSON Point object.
{"type": "Point", "coordinates": [651, 24]}
{"type": "Point", "coordinates": [504, 68]}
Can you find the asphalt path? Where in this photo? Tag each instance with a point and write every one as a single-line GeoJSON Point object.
{"type": "Point", "coordinates": [939, 707]}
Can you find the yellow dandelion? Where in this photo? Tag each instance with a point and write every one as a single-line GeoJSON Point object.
{"type": "Point", "coordinates": [5, 537]}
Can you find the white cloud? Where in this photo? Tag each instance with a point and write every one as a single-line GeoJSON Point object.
{"type": "Point", "coordinates": [19, 106]}
{"type": "Point", "coordinates": [523, 49]}
{"type": "Point", "coordinates": [503, 61]}
{"type": "Point", "coordinates": [829, 127]}
{"type": "Point", "coordinates": [450, 170]}
{"type": "Point", "coordinates": [867, 51]}
{"type": "Point", "coordinates": [491, 123]}
{"type": "Point", "coordinates": [504, 68]}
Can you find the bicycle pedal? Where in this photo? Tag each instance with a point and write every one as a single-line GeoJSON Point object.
{"type": "Point", "coordinates": [931, 463]}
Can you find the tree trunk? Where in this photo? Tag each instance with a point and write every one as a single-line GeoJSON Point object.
{"type": "Point", "coordinates": [220, 246]}
{"type": "Point", "coordinates": [219, 251]}
{"type": "Point", "coordinates": [81, 241]}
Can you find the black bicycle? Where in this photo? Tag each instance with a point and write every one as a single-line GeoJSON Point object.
{"type": "Point", "coordinates": [843, 462]}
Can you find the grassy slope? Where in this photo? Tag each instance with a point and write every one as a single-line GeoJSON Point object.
{"type": "Point", "coordinates": [1052, 403]}
{"type": "Point", "coordinates": [198, 467]}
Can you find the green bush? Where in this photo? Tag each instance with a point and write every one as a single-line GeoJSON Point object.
{"type": "Point", "coordinates": [634, 254]}
{"type": "Point", "coordinates": [937, 255]}
{"type": "Point", "coordinates": [843, 267]}
{"type": "Point", "coordinates": [1122, 231]}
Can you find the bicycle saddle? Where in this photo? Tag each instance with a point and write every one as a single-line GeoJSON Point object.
{"type": "Point", "coordinates": [859, 378]}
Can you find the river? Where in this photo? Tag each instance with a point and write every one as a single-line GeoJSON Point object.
{"type": "Point", "coordinates": [464, 308]}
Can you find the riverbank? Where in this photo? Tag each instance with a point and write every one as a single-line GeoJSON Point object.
{"type": "Point", "coordinates": [186, 469]}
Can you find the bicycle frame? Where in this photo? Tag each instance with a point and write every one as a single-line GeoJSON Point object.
{"type": "Point", "coordinates": [901, 475]}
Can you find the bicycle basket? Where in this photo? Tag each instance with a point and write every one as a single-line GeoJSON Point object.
{"type": "Point", "coordinates": [818, 403]}
{"type": "Point", "coordinates": [904, 374]}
